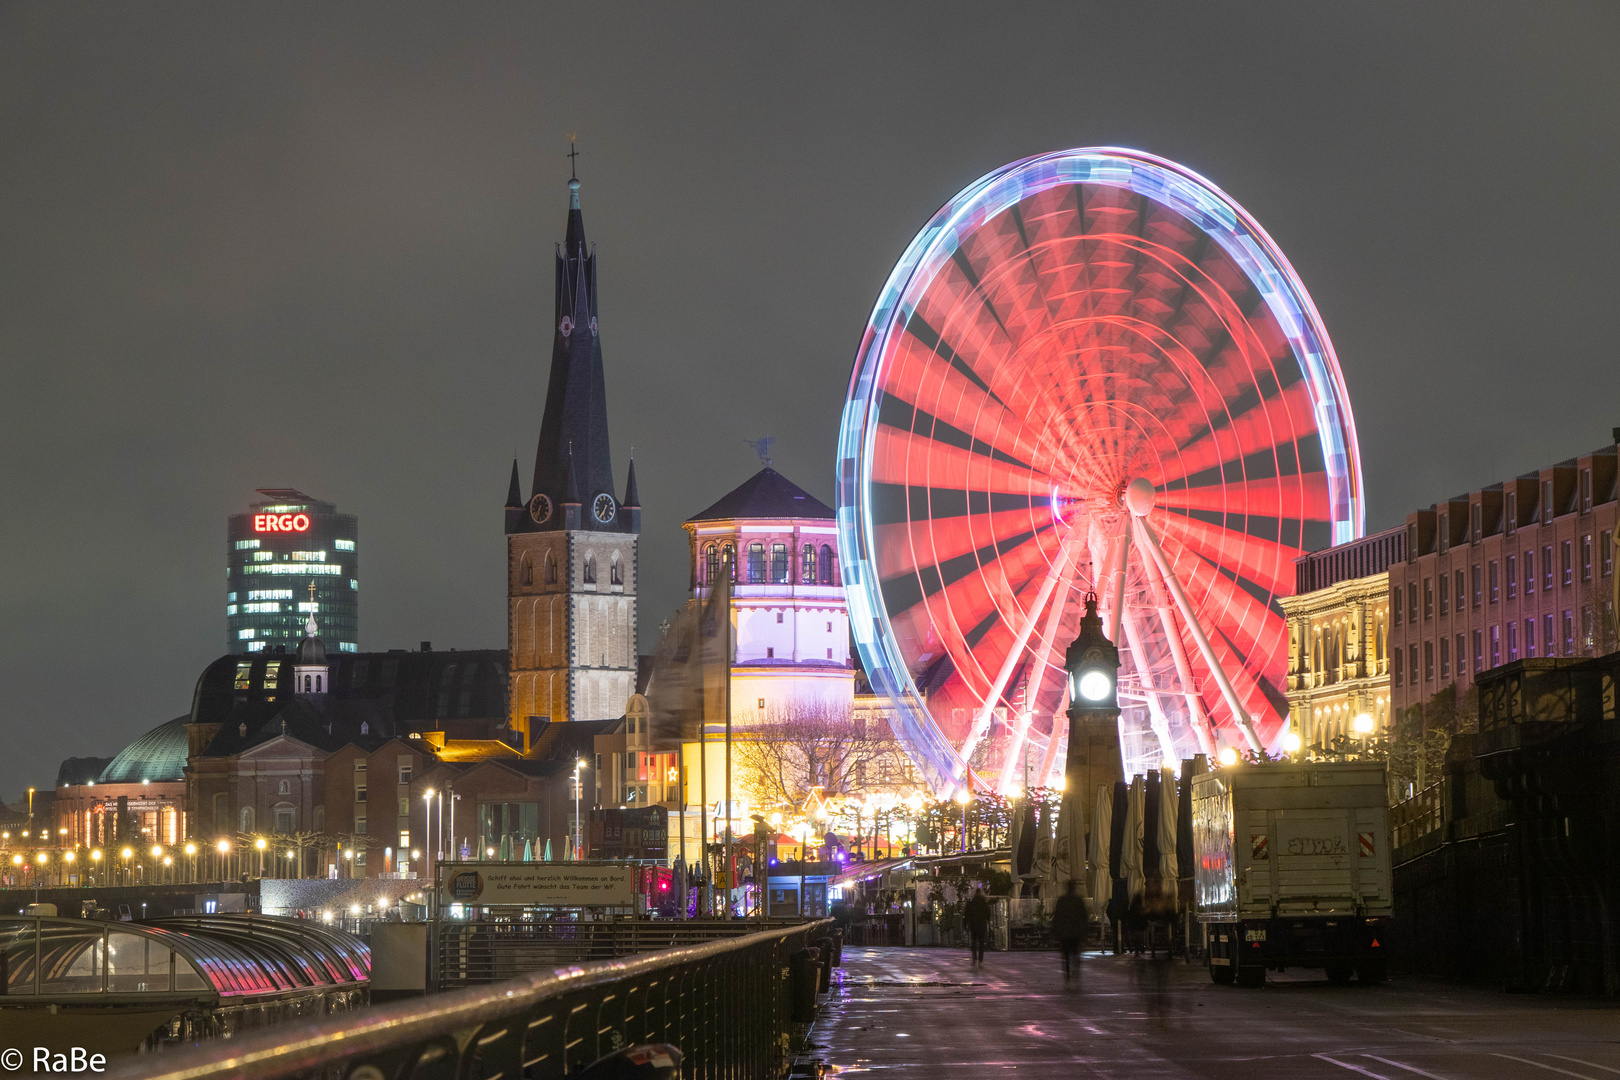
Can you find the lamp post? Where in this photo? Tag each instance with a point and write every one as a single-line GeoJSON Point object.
{"type": "Point", "coordinates": [579, 763]}
{"type": "Point", "coordinates": [427, 832]}
{"type": "Point", "coordinates": [1092, 663]}
{"type": "Point", "coordinates": [963, 797]}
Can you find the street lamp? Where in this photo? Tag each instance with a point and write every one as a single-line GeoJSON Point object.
{"type": "Point", "coordinates": [224, 848]}
{"type": "Point", "coordinates": [427, 827]}
{"type": "Point", "coordinates": [579, 763]}
{"type": "Point", "coordinates": [1092, 665]}
{"type": "Point", "coordinates": [259, 843]}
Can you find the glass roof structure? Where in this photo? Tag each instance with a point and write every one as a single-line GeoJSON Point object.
{"type": "Point", "coordinates": [218, 958]}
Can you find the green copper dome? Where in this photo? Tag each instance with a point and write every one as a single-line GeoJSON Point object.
{"type": "Point", "coordinates": [157, 756]}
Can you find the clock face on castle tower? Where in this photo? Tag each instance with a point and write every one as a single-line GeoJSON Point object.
{"type": "Point", "coordinates": [604, 508]}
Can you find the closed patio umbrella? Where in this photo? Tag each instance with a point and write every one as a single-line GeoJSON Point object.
{"type": "Point", "coordinates": [1130, 856]}
{"type": "Point", "coordinates": [1102, 827]}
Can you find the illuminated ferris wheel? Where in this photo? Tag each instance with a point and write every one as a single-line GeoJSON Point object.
{"type": "Point", "coordinates": [1091, 371]}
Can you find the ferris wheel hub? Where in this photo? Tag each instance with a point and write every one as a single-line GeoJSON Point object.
{"type": "Point", "coordinates": [1139, 497]}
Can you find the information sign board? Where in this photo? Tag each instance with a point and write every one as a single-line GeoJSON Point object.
{"type": "Point", "coordinates": [539, 884]}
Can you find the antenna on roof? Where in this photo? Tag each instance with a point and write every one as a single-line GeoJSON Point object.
{"type": "Point", "coordinates": [762, 447]}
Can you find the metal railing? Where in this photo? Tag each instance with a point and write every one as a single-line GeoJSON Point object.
{"type": "Point", "coordinates": [726, 1004]}
{"type": "Point", "coordinates": [1417, 817]}
{"type": "Point", "coordinates": [476, 953]}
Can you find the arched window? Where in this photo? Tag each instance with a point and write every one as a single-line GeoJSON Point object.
{"type": "Point", "coordinates": [756, 563]}
{"type": "Point", "coordinates": [308, 682]}
{"type": "Point", "coordinates": [711, 564]}
{"type": "Point", "coordinates": [807, 572]}
{"type": "Point", "coordinates": [526, 570]}
{"type": "Point", "coordinates": [317, 684]}
{"type": "Point", "coordinates": [729, 554]}
{"type": "Point", "coordinates": [551, 569]}
{"type": "Point", "coordinates": [779, 564]}
{"type": "Point", "coordinates": [590, 569]}
{"type": "Point", "coordinates": [827, 565]}
{"type": "Point", "coordinates": [615, 572]}
{"type": "Point", "coordinates": [247, 819]}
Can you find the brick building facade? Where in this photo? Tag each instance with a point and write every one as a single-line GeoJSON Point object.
{"type": "Point", "coordinates": [1516, 570]}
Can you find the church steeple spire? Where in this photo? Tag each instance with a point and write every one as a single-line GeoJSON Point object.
{"type": "Point", "coordinates": [574, 424]}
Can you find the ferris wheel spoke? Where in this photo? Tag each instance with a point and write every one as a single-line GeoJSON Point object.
{"type": "Point", "coordinates": [1263, 562]}
{"type": "Point", "coordinates": [1003, 599]}
{"type": "Point", "coordinates": [1302, 495]}
{"type": "Point", "coordinates": [967, 468]}
{"type": "Point", "coordinates": [975, 604]}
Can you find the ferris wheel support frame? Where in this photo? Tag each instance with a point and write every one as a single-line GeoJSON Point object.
{"type": "Point", "coordinates": [1147, 540]}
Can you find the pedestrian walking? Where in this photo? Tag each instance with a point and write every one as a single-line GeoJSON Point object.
{"type": "Point", "coordinates": [978, 923]}
{"type": "Point", "coordinates": [1068, 923]}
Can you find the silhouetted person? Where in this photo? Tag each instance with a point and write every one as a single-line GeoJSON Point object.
{"type": "Point", "coordinates": [1068, 924]}
{"type": "Point", "coordinates": [978, 923]}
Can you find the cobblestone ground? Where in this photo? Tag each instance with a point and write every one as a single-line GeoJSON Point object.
{"type": "Point", "coordinates": [927, 1013]}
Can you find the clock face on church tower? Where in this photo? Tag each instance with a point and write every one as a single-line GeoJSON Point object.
{"type": "Point", "coordinates": [540, 509]}
{"type": "Point", "coordinates": [604, 508]}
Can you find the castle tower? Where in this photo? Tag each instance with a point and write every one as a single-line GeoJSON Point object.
{"type": "Point", "coordinates": [571, 545]}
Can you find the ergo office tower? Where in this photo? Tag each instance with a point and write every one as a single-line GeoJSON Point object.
{"type": "Point", "coordinates": [290, 558]}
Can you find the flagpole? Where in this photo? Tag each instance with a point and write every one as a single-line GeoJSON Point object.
{"type": "Point", "coordinates": [731, 855]}
{"type": "Point", "coordinates": [703, 795]}
{"type": "Point", "coordinates": [686, 867]}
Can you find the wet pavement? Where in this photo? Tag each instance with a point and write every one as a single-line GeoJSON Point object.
{"type": "Point", "coordinates": [928, 1013]}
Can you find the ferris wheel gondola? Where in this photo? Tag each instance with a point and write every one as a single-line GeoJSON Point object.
{"type": "Point", "coordinates": [1091, 371]}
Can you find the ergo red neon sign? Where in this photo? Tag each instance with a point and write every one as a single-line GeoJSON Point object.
{"type": "Point", "coordinates": [281, 523]}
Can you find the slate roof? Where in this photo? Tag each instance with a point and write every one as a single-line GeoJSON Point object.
{"type": "Point", "coordinates": [388, 694]}
{"type": "Point", "coordinates": [766, 494]}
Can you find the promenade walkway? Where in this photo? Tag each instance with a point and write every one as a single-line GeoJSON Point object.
{"type": "Point", "coordinates": [925, 1013]}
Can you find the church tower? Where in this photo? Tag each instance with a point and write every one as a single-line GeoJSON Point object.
{"type": "Point", "coordinates": [571, 545]}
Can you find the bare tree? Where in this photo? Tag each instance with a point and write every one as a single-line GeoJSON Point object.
{"type": "Point", "coordinates": [808, 746]}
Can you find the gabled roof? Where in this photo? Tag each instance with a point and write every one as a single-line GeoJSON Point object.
{"type": "Point", "coordinates": [766, 494]}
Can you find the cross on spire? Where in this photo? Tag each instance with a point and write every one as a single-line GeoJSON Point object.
{"type": "Point", "coordinates": [573, 152]}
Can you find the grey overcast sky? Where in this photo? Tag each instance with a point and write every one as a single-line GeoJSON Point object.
{"type": "Point", "coordinates": [252, 245]}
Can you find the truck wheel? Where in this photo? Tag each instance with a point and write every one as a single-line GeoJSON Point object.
{"type": "Point", "coordinates": [1372, 972]}
{"type": "Point", "coordinates": [1251, 977]}
{"type": "Point", "coordinates": [1220, 974]}
{"type": "Point", "coordinates": [1340, 973]}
